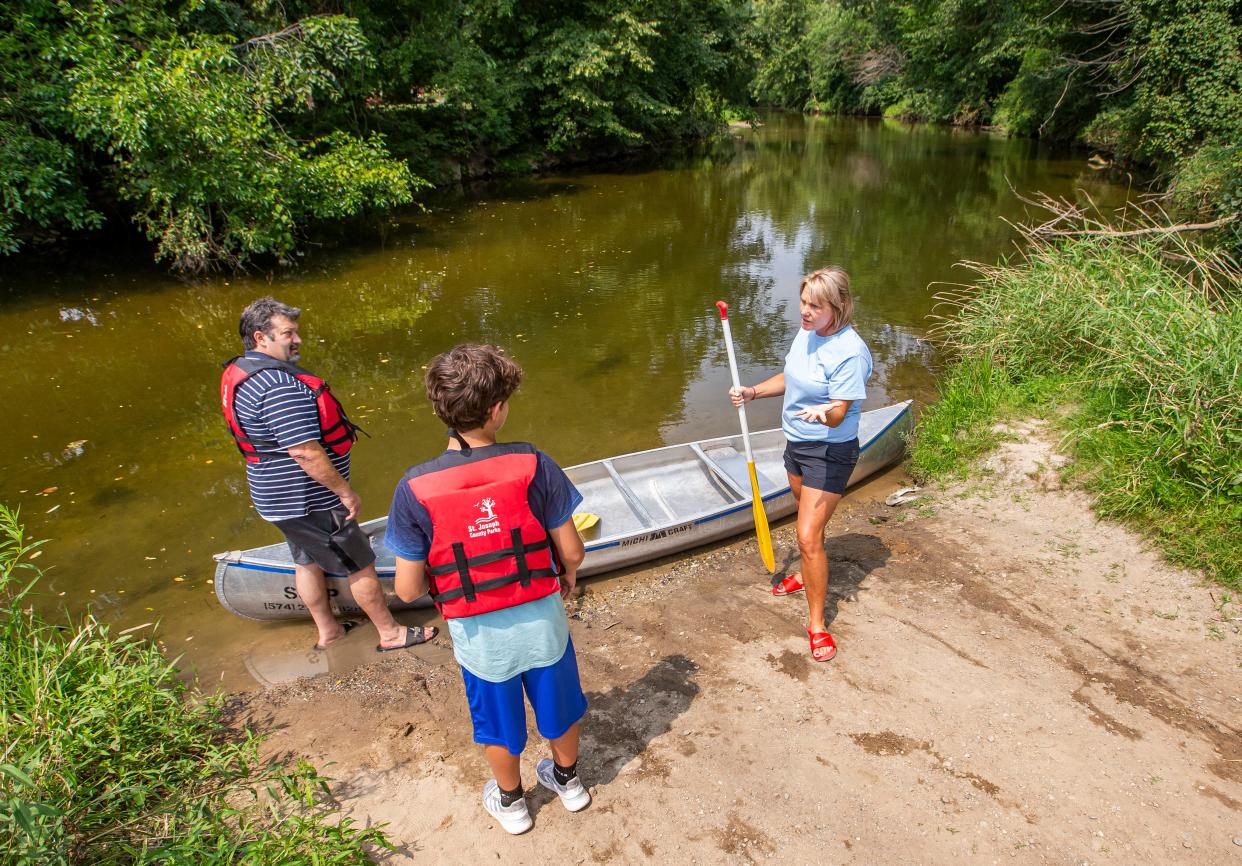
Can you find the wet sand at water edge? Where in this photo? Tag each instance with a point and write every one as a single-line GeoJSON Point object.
{"type": "Point", "coordinates": [1016, 682]}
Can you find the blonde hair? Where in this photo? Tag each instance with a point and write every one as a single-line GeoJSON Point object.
{"type": "Point", "coordinates": [831, 286]}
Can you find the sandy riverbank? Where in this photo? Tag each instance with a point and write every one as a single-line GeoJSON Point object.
{"type": "Point", "coordinates": [1016, 682]}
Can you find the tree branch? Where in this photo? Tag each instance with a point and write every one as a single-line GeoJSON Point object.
{"type": "Point", "coordinates": [1150, 230]}
{"type": "Point", "coordinates": [267, 39]}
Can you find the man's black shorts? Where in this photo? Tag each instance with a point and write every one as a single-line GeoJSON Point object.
{"type": "Point", "coordinates": [329, 540]}
{"type": "Point", "coordinates": [822, 465]}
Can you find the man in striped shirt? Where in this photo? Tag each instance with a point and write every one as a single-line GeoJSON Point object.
{"type": "Point", "coordinates": [301, 487]}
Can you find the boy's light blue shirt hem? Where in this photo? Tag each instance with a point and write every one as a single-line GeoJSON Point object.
{"type": "Point", "coordinates": [498, 646]}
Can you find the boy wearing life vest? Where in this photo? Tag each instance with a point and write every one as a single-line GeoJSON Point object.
{"type": "Point", "coordinates": [487, 529]}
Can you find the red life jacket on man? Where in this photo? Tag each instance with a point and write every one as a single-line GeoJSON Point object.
{"type": "Point", "coordinates": [488, 550]}
{"type": "Point", "coordinates": [336, 432]}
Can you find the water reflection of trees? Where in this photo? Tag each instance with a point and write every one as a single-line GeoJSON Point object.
{"type": "Point", "coordinates": [897, 210]}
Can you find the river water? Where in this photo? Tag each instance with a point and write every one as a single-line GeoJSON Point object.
{"type": "Point", "coordinates": [601, 285]}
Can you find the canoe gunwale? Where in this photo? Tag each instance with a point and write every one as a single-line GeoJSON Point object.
{"type": "Point", "coordinates": [379, 524]}
{"type": "Point", "coordinates": [266, 601]}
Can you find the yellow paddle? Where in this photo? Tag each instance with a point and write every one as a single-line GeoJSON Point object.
{"type": "Point", "coordinates": [762, 532]}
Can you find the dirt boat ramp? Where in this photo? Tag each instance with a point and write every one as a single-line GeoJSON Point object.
{"type": "Point", "coordinates": [1017, 682]}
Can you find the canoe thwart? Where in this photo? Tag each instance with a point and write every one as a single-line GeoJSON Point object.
{"type": "Point", "coordinates": [719, 472]}
{"type": "Point", "coordinates": [628, 494]}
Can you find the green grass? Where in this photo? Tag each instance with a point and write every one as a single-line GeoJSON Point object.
{"type": "Point", "coordinates": [105, 758]}
{"type": "Point", "coordinates": [1134, 351]}
{"type": "Point", "coordinates": [959, 428]}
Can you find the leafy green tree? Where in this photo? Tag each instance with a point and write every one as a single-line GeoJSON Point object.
{"type": "Point", "coordinates": [1178, 79]}
{"type": "Point", "coordinates": [185, 128]}
{"type": "Point", "coordinates": [41, 172]}
{"type": "Point", "coordinates": [847, 59]}
{"type": "Point", "coordinates": [488, 83]}
{"type": "Point", "coordinates": [225, 128]}
{"type": "Point", "coordinates": [437, 90]}
{"type": "Point", "coordinates": [1153, 81]}
{"type": "Point", "coordinates": [599, 73]}
{"type": "Point", "coordinates": [779, 37]}
{"type": "Point", "coordinates": [192, 125]}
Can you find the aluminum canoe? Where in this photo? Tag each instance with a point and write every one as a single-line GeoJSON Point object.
{"type": "Point", "coordinates": [650, 504]}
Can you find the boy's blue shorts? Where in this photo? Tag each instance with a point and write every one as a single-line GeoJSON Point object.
{"type": "Point", "coordinates": [499, 713]}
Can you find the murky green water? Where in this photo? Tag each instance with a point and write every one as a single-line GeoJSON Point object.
{"type": "Point", "coordinates": [601, 285]}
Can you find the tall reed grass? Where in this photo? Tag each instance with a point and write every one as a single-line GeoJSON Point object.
{"type": "Point", "coordinates": [1134, 346]}
{"type": "Point", "coordinates": [106, 759]}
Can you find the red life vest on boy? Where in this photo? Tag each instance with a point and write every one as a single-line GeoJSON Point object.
{"type": "Point", "coordinates": [336, 432]}
{"type": "Point", "coordinates": [488, 550]}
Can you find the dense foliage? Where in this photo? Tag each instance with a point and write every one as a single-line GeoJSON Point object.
{"type": "Point", "coordinates": [1132, 347]}
{"type": "Point", "coordinates": [1152, 81]}
{"type": "Point", "coordinates": [502, 79]}
{"type": "Point", "coordinates": [223, 127]}
{"type": "Point", "coordinates": [190, 132]}
{"type": "Point", "coordinates": [105, 760]}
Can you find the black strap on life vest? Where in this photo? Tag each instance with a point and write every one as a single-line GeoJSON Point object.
{"type": "Point", "coordinates": [465, 446]}
{"type": "Point", "coordinates": [519, 555]}
{"type": "Point", "coordinates": [486, 585]}
{"type": "Point", "coordinates": [470, 588]}
{"type": "Point", "coordinates": [462, 564]}
{"type": "Point", "coordinates": [489, 558]}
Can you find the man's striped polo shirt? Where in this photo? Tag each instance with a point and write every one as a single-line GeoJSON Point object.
{"type": "Point", "coordinates": [276, 412]}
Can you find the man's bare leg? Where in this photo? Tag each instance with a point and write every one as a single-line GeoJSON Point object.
{"type": "Point", "coordinates": [367, 592]}
{"type": "Point", "coordinates": [313, 590]}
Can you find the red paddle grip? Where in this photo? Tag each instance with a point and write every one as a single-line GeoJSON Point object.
{"type": "Point", "coordinates": [724, 309]}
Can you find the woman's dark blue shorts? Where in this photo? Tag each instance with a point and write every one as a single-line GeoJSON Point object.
{"type": "Point", "coordinates": [822, 465]}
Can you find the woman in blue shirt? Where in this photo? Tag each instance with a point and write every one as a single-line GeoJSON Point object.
{"type": "Point", "coordinates": [823, 384]}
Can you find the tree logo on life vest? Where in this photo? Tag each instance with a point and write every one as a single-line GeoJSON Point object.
{"type": "Point", "coordinates": [489, 523]}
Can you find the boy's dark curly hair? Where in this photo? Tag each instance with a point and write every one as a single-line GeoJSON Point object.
{"type": "Point", "coordinates": [464, 383]}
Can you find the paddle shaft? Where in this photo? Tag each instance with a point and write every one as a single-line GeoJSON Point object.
{"type": "Point", "coordinates": [741, 410]}
{"type": "Point", "coordinates": [762, 534]}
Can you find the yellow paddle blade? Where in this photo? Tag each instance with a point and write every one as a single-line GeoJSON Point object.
{"type": "Point", "coordinates": [762, 533]}
{"type": "Point", "coordinates": [585, 520]}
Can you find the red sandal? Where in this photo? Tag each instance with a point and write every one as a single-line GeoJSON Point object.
{"type": "Point", "coordinates": [821, 642]}
{"type": "Point", "coordinates": [788, 585]}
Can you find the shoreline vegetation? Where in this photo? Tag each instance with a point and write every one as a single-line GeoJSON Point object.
{"type": "Point", "coordinates": [107, 758]}
{"type": "Point", "coordinates": [1130, 343]}
{"type": "Point", "coordinates": [226, 131]}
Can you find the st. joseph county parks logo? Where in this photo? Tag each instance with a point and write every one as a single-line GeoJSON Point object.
{"type": "Point", "coordinates": [488, 524]}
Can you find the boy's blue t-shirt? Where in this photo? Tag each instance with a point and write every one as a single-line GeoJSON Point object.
{"type": "Point", "coordinates": [499, 645]}
{"type": "Point", "coordinates": [819, 369]}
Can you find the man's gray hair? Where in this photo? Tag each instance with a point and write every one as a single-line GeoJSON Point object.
{"type": "Point", "coordinates": [258, 317]}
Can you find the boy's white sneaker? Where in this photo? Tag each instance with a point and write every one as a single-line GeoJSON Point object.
{"type": "Point", "coordinates": [572, 793]}
{"type": "Point", "coordinates": [514, 818]}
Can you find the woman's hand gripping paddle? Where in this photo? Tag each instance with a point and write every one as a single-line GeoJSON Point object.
{"type": "Point", "coordinates": [762, 532]}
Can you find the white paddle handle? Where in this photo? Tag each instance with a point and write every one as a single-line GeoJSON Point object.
{"type": "Point", "coordinates": [741, 410]}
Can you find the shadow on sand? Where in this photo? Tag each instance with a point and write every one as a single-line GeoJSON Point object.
{"type": "Point", "coordinates": [622, 722]}
{"type": "Point", "coordinates": [851, 559]}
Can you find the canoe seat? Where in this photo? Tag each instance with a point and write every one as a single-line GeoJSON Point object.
{"type": "Point", "coordinates": [733, 463]}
